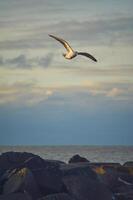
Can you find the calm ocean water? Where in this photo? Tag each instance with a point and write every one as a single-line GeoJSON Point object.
{"type": "Point", "coordinates": [93, 153]}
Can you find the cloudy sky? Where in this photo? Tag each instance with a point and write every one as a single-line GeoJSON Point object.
{"type": "Point", "coordinates": [45, 99]}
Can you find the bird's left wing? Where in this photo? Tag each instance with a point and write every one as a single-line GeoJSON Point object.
{"type": "Point", "coordinates": [87, 55]}
{"type": "Point", "coordinates": [65, 44]}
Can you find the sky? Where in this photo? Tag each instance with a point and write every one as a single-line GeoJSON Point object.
{"type": "Point", "coordinates": [48, 100]}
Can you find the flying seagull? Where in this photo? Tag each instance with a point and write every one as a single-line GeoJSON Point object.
{"type": "Point", "coordinates": [70, 52]}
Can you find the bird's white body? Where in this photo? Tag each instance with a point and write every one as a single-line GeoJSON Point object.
{"type": "Point", "coordinates": [70, 55]}
{"type": "Point", "coordinates": [70, 52]}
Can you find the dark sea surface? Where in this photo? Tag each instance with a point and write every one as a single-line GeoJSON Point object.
{"type": "Point", "coordinates": [93, 153]}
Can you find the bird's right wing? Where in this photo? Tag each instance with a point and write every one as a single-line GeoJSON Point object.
{"type": "Point", "coordinates": [87, 55]}
{"type": "Point", "coordinates": [65, 44]}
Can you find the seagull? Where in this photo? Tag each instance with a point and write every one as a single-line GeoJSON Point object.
{"type": "Point", "coordinates": [70, 52]}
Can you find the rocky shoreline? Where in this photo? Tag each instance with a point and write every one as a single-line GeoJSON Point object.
{"type": "Point", "coordinates": [25, 176]}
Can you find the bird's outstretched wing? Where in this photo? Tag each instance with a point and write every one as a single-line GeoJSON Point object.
{"type": "Point", "coordinates": [87, 55]}
{"type": "Point", "coordinates": [65, 44]}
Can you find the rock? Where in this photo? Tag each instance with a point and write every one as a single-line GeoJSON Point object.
{"type": "Point", "coordinates": [83, 188]}
{"type": "Point", "coordinates": [49, 179]}
{"type": "Point", "coordinates": [108, 176]}
{"type": "Point", "coordinates": [77, 158]}
{"type": "Point", "coordinates": [124, 192]}
{"type": "Point", "coordinates": [78, 169]}
{"type": "Point", "coordinates": [128, 164]}
{"type": "Point", "coordinates": [15, 196]}
{"type": "Point", "coordinates": [20, 181]}
{"type": "Point", "coordinates": [59, 196]}
{"type": "Point", "coordinates": [103, 164]}
{"type": "Point", "coordinates": [10, 160]}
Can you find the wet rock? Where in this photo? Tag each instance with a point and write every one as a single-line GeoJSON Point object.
{"type": "Point", "coordinates": [77, 158]}
{"type": "Point", "coordinates": [15, 196]}
{"type": "Point", "coordinates": [83, 188]}
{"type": "Point", "coordinates": [59, 196]}
{"type": "Point", "coordinates": [21, 181]}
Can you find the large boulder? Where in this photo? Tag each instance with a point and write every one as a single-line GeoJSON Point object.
{"type": "Point", "coordinates": [78, 169]}
{"type": "Point", "coordinates": [49, 179]}
{"type": "Point", "coordinates": [21, 181]}
{"type": "Point", "coordinates": [10, 160]}
{"type": "Point", "coordinates": [83, 188]}
{"type": "Point", "coordinates": [15, 196]}
{"type": "Point", "coordinates": [59, 196]}
{"type": "Point", "coordinates": [108, 176]}
{"type": "Point", "coordinates": [128, 164]}
{"type": "Point", "coordinates": [77, 158]}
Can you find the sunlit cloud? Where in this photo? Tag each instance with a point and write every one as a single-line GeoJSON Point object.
{"type": "Point", "coordinates": [31, 94]}
{"type": "Point", "coordinates": [23, 94]}
{"type": "Point", "coordinates": [115, 92]}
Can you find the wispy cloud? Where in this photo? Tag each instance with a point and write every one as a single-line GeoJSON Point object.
{"type": "Point", "coordinates": [23, 94]}
{"type": "Point", "coordinates": [23, 62]}
{"type": "Point", "coordinates": [96, 32]}
{"type": "Point", "coordinates": [30, 94]}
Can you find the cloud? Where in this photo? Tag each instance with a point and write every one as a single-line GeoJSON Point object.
{"type": "Point", "coordinates": [22, 62]}
{"type": "Point", "coordinates": [99, 31]}
{"type": "Point", "coordinates": [106, 70]}
{"type": "Point", "coordinates": [24, 94]}
{"type": "Point", "coordinates": [46, 61]}
{"type": "Point", "coordinates": [30, 94]}
{"type": "Point", "coordinates": [1, 61]}
{"type": "Point", "coordinates": [114, 92]}
{"type": "Point", "coordinates": [117, 30]}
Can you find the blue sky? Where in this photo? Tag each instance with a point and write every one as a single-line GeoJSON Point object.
{"type": "Point", "coordinates": [45, 99]}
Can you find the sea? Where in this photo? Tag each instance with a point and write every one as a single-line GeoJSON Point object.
{"type": "Point", "coordinates": [119, 154]}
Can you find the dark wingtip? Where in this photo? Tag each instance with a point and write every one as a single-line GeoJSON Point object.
{"type": "Point", "coordinates": [50, 35]}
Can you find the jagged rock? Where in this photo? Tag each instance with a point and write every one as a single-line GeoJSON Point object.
{"type": "Point", "coordinates": [77, 158]}
{"type": "Point", "coordinates": [78, 169]}
{"type": "Point", "coordinates": [83, 188]}
{"type": "Point", "coordinates": [15, 196]}
{"type": "Point", "coordinates": [59, 196]}
{"type": "Point", "coordinates": [20, 181]}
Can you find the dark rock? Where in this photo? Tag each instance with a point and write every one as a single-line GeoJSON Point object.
{"type": "Point", "coordinates": [77, 158]}
{"type": "Point", "coordinates": [124, 196]}
{"type": "Point", "coordinates": [59, 196]}
{"type": "Point", "coordinates": [105, 164]}
{"type": "Point", "coordinates": [78, 169]}
{"type": "Point", "coordinates": [123, 192]}
{"type": "Point", "coordinates": [49, 179]}
{"type": "Point", "coordinates": [128, 164]}
{"type": "Point", "coordinates": [15, 196]}
{"type": "Point", "coordinates": [109, 177]}
{"type": "Point", "coordinates": [83, 188]}
{"type": "Point", "coordinates": [57, 162]}
{"type": "Point", "coordinates": [20, 181]}
{"type": "Point", "coordinates": [126, 178]}
{"type": "Point", "coordinates": [10, 160]}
